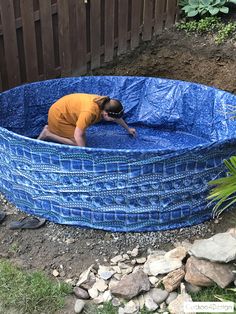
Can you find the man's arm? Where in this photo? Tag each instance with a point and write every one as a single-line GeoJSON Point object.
{"type": "Point", "coordinates": [122, 123]}
{"type": "Point", "coordinates": [80, 137]}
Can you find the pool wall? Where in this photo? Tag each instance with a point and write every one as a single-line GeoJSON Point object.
{"type": "Point", "coordinates": [116, 190]}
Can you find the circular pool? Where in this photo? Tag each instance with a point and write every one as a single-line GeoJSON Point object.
{"type": "Point", "coordinates": [156, 181]}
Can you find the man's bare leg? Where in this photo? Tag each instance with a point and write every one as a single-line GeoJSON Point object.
{"type": "Point", "coordinates": [47, 135]}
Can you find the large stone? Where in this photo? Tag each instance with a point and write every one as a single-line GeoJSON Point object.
{"type": "Point", "coordinates": [131, 285]}
{"type": "Point", "coordinates": [222, 274]}
{"type": "Point", "coordinates": [173, 279]}
{"type": "Point", "coordinates": [178, 253]}
{"type": "Point", "coordinates": [177, 306]}
{"type": "Point", "coordinates": [219, 248]}
{"type": "Point", "coordinates": [194, 276]}
{"type": "Point", "coordinates": [156, 264]}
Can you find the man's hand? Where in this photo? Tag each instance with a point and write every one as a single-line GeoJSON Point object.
{"type": "Point", "coordinates": [132, 132]}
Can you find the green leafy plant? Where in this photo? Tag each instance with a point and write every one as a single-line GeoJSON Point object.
{"type": "Point", "coordinates": [225, 32]}
{"type": "Point", "coordinates": [213, 25]}
{"type": "Point", "coordinates": [224, 191]}
{"type": "Point", "coordinates": [202, 26]}
{"type": "Point", "coordinates": [203, 7]}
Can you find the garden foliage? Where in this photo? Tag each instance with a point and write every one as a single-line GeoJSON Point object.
{"type": "Point", "coordinates": [205, 7]}
{"type": "Point", "coordinates": [224, 191]}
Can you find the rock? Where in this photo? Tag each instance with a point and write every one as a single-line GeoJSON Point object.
{"type": "Point", "coordinates": [116, 259]}
{"type": "Point", "coordinates": [105, 272]}
{"type": "Point", "coordinates": [141, 260]}
{"type": "Point", "coordinates": [156, 264]}
{"type": "Point", "coordinates": [134, 252]}
{"type": "Point", "coordinates": [178, 253]}
{"type": "Point", "coordinates": [107, 296]}
{"type": "Point", "coordinates": [150, 304]}
{"type": "Point", "coordinates": [123, 265]}
{"type": "Point", "coordinates": [93, 292]}
{"type": "Point", "coordinates": [84, 276]}
{"type": "Point", "coordinates": [116, 302]}
{"type": "Point", "coordinates": [118, 276]}
{"type": "Point", "coordinates": [192, 288]}
{"type": "Point", "coordinates": [131, 308]}
{"type": "Point", "coordinates": [127, 271]}
{"type": "Point", "coordinates": [232, 231]}
{"type": "Point", "coordinates": [158, 295]}
{"type": "Point", "coordinates": [113, 282]}
{"type": "Point", "coordinates": [172, 296]}
{"type": "Point", "coordinates": [177, 306]}
{"type": "Point", "coordinates": [140, 300]}
{"type": "Point", "coordinates": [89, 283]}
{"type": "Point", "coordinates": [153, 280]}
{"type": "Point", "coordinates": [81, 293]}
{"type": "Point", "coordinates": [222, 274]}
{"type": "Point", "coordinates": [121, 310]}
{"type": "Point", "coordinates": [194, 276]}
{"type": "Point", "coordinates": [55, 273]}
{"type": "Point", "coordinates": [117, 269]}
{"type": "Point", "coordinates": [173, 279]}
{"type": "Point", "coordinates": [100, 285]}
{"type": "Point", "coordinates": [219, 248]}
{"type": "Point", "coordinates": [131, 285]}
{"type": "Point", "coordinates": [79, 305]}
{"type": "Point", "coordinates": [125, 257]}
{"type": "Point", "coordinates": [98, 299]}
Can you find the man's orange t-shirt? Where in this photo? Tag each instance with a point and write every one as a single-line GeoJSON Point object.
{"type": "Point", "coordinates": [74, 110]}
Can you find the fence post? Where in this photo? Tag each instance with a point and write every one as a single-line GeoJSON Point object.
{"type": "Point", "coordinates": [10, 42]}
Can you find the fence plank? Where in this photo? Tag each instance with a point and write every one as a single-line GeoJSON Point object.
{"type": "Point", "coordinates": [47, 37]}
{"type": "Point", "coordinates": [109, 29]}
{"type": "Point", "coordinates": [147, 20]}
{"type": "Point", "coordinates": [135, 23]}
{"type": "Point", "coordinates": [171, 12]}
{"type": "Point", "coordinates": [29, 40]}
{"type": "Point", "coordinates": [95, 32]}
{"type": "Point", "coordinates": [10, 42]}
{"type": "Point", "coordinates": [122, 25]}
{"type": "Point", "coordinates": [160, 6]}
{"type": "Point", "coordinates": [82, 37]}
{"type": "Point", "coordinates": [64, 37]}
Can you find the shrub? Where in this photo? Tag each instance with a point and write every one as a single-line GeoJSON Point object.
{"type": "Point", "coordinates": [202, 7]}
{"type": "Point", "coordinates": [224, 191]}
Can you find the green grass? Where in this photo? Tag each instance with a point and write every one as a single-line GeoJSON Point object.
{"type": "Point", "coordinates": [214, 294]}
{"type": "Point", "coordinates": [29, 293]}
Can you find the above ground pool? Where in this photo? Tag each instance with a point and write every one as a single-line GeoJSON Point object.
{"type": "Point", "coordinates": [156, 181]}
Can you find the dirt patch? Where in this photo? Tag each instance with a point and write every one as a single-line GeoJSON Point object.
{"type": "Point", "coordinates": [70, 250]}
{"type": "Point", "coordinates": [178, 56]}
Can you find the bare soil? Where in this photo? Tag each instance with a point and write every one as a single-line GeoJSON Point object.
{"type": "Point", "coordinates": [70, 250]}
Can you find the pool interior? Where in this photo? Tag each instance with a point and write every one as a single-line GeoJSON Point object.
{"type": "Point", "coordinates": [112, 136]}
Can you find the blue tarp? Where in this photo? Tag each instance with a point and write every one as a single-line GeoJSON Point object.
{"type": "Point", "coordinates": [156, 181]}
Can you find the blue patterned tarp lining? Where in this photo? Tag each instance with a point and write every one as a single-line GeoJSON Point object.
{"type": "Point", "coordinates": [155, 182]}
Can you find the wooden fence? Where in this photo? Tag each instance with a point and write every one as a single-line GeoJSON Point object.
{"type": "Point", "coordinates": [42, 39]}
